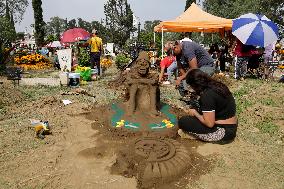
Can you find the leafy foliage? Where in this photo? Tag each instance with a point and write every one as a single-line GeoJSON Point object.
{"type": "Point", "coordinates": [102, 30]}
{"type": "Point", "coordinates": [6, 32]}
{"type": "Point", "coordinates": [50, 38]}
{"type": "Point", "coordinates": [56, 26]}
{"type": "Point", "coordinates": [85, 25]}
{"type": "Point", "coordinates": [274, 10]}
{"type": "Point", "coordinates": [16, 7]}
{"type": "Point", "coordinates": [121, 61]}
{"type": "Point", "coordinates": [72, 24]}
{"type": "Point", "coordinates": [147, 35]}
{"type": "Point", "coordinates": [232, 9]}
{"type": "Point", "coordinates": [6, 37]}
{"type": "Point", "coordinates": [188, 3]}
{"type": "Point", "coordinates": [84, 57]}
{"type": "Point", "coordinates": [39, 23]}
{"type": "Point", "coordinates": [119, 20]}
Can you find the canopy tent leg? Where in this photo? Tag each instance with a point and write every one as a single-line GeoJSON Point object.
{"type": "Point", "coordinates": [162, 42]}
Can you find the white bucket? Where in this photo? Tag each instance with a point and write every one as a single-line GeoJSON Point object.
{"type": "Point", "coordinates": [74, 75]}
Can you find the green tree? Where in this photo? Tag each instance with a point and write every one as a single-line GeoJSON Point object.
{"type": "Point", "coordinates": [273, 9]}
{"type": "Point", "coordinates": [147, 34]}
{"type": "Point", "coordinates": [50, 38]}
{"type": "Point", "coordinates": [10, 18]}
{"type": "Point", "coordinates": [7, 11]}
{"type": "Point", "coordinates": [71, 24]}
{"type": "Point", "coordinates": [16, 7]}
{"type": "Point", "coordinates": [20, 36]}
{"type": "Point", "coordinates": [188, 3]}
{"type": "Point", "coordinates": [56, 26]}
{"type": "Point", "coordinates": [12, 22]}
{"type": "Point", "coordinates": [39, 23]}
{"type": "Point", "coordinates": [85, 25]}
{"type": "Point", "coordinates": [119, 20]}
{"type": "Point", "coordinates": [231, 9]}
{"type": "Point", "coordinates": [102, 30]}
{"type": "Point", "coordinates": [6, 37]}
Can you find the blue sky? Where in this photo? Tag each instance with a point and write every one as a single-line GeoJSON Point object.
{"type": "Point", "coordinates": [94, 10]}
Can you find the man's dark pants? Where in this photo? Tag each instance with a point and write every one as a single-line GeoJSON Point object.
{"type": "Point", "coordinates": [95, 61]}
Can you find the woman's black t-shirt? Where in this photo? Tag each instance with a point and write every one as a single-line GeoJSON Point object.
{"type": "Point", "coordinates": [224, 108]}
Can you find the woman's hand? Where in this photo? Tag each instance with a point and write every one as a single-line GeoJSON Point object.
{"type": "Point", "coordinates": [178, 81]}
{"type": "Point", "coordinates": [191, 112]}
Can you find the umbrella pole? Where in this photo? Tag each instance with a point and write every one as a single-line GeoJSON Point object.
{"type": "Point", "coordinates": [162, 42]}
{"type": "Point", "coordinates": [235, 75]}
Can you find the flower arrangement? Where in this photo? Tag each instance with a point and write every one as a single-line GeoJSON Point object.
{"type": "Point", "coordinates": [83, 68]}
{"type": "Point", "coordinates": [85, 72]}
{"type": "Point", "coordinates": [32, 62]}
{"type": "Point", "coordinates": [106, 63]}
{"type": "Point", "coordinates": [120, 123]}
{"type": "Point", "coordinates": [281, 66]}
{"type": "Point", "coordinates": [168, 123]}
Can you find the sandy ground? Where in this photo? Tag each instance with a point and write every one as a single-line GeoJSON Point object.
{"type": "Point", "coordinates": [78, 156]}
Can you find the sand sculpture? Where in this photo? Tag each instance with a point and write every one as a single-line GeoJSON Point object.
{"type": "Point", "coordinates": [142, 87]}
{"type": "Point", "coordinates": [154, 158]}
{"type": "Point", "coordinates": [155, 161]}
{"type": "Point", "coordinates": [142, 113]}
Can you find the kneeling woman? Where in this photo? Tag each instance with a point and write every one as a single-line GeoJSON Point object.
{"type": "Point", "coordinates": [218, 120]}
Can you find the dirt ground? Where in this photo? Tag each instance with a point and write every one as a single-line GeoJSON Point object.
{"type": "Point", "coordinates": [77, 155]}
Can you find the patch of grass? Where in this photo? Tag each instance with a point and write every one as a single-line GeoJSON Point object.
{"type": "Point", "coordinates": [35, 92]}
{"type": "Point", "coordinates": [2, 109]}
{"type": "Point", "coordinates": [241, 92]}
{"type": "Point", "coordinates": [267, 126]}
{"type": "Point", "coordinates": [269, 102]}
{"type": "Point", "coordinates": [242, 105]}
{"type": "Point", "coordinates": [42, 74]}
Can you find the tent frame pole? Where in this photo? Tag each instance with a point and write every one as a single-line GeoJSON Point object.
{"type": "Point", "coordinates": [162, 42]}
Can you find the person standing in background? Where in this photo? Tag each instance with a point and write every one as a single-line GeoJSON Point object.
{"type": "Point", "coordinates": [96, 44]}
{"type": "Point", "coordinates": [243, 53]}
{"type": "Point", "coordinates": [187, 37]}
{"type": "Point", "coordinates": [168, 64]}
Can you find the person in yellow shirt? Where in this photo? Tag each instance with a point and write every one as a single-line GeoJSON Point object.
{"type": "Point", "coordinates": [96, 44]}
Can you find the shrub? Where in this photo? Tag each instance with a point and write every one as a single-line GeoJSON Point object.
{"type": "Point", "coordinates": [84, 57]}
{"type": "Point", "coordinates": [121, 61]}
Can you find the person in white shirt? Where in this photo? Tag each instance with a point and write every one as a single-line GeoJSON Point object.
{"type": "Point", "coordinates": [187, 36]}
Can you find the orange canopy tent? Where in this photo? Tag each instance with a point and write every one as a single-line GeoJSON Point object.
{"type": "Point", "coordinates": [195, 20]}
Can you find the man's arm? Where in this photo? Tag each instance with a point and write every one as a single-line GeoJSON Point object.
{"type": "Point", "coordinates": [101, 47]}
{"type": "Point", "coordinates": [179, 66]}
{"type": "Point", "coordinates": [192, 65]}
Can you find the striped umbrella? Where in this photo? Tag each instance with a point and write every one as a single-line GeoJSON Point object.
{"type": "Point", "coordinates": [255, 29]}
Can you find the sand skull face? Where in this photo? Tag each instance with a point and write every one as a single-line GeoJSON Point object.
{"type": "Point", "coordinates": [143, 67]}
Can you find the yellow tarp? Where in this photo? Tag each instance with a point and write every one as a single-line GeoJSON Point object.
{"type": "Point", "coordinates": [195, 20]}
